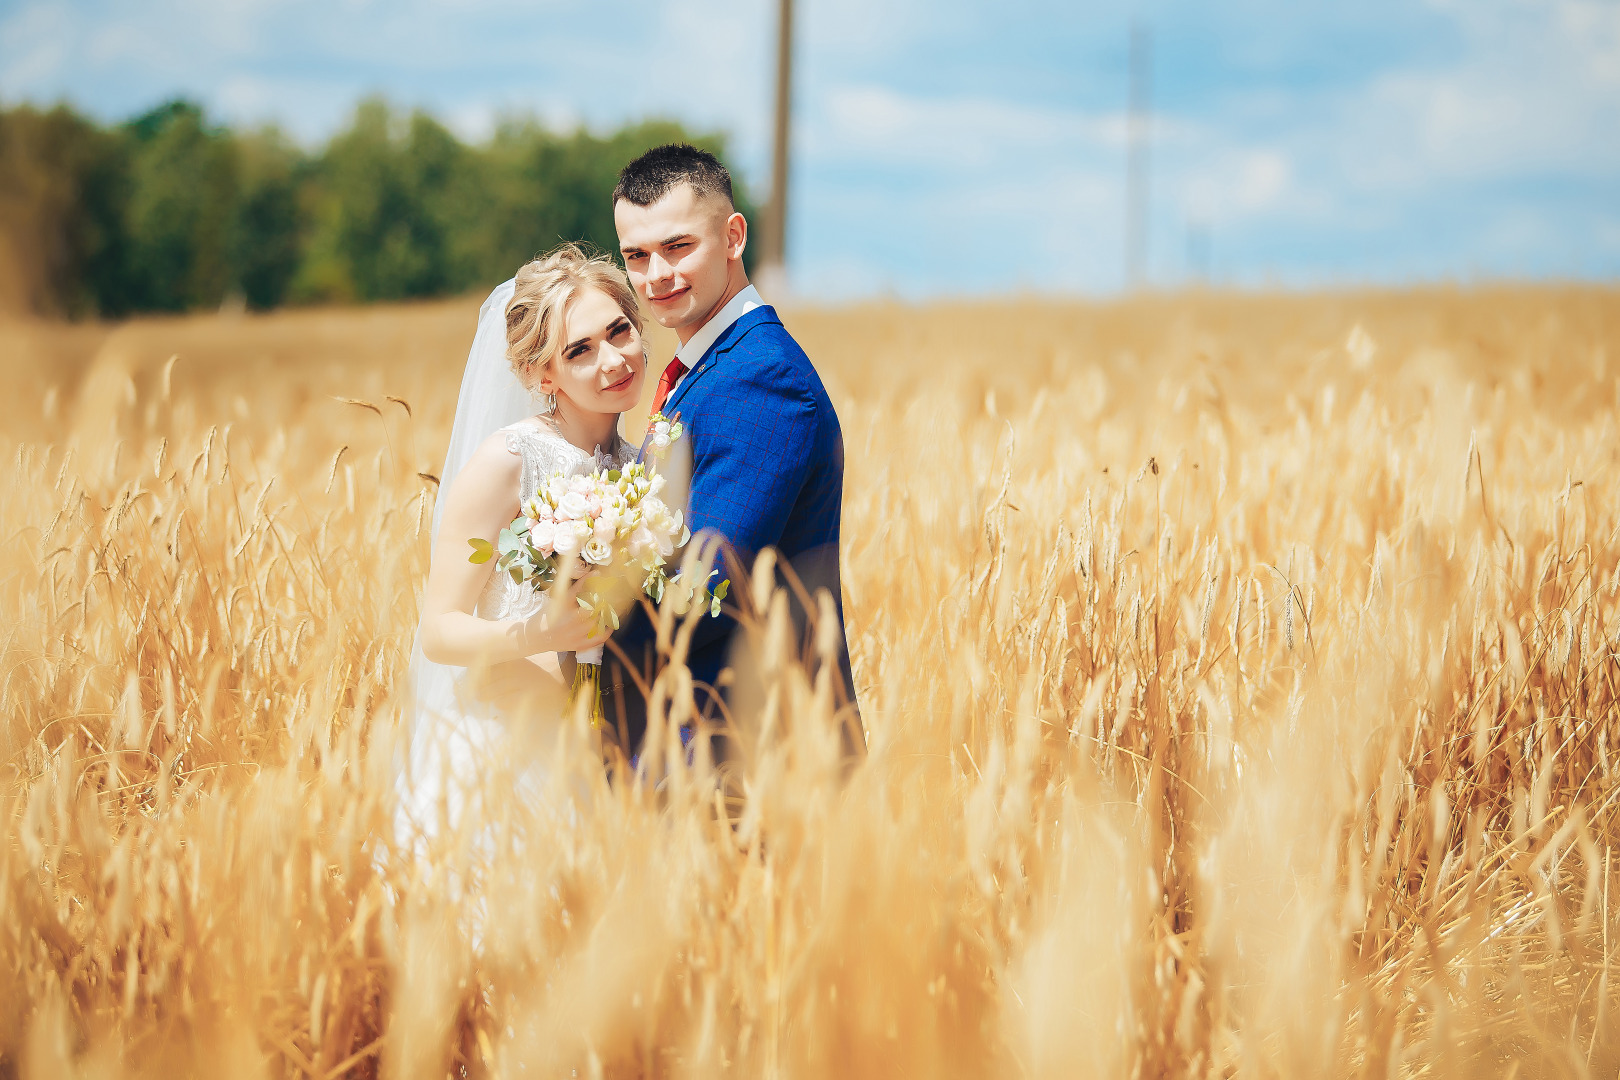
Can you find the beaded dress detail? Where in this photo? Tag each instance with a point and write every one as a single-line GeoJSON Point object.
{"type": "Point", "coordinates": [544, 452]}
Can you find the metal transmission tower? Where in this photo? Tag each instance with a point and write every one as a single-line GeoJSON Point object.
{"type": "Point", "coordinates": [1138, 134]}
{"type": "Point", "coordinates": [773, 264]}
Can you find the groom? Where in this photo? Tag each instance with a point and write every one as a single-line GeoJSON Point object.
{"type": "Point", "coordinates": [767, 452]}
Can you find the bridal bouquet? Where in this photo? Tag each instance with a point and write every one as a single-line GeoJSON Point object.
{"type": "Point", "coordinates": [615, 524]}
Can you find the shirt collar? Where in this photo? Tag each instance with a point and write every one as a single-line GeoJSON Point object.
{"type": "Point", "coordinates": [738, 306]}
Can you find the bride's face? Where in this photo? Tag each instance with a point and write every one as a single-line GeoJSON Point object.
{"type": "Point", "coordinates": [601, 363]}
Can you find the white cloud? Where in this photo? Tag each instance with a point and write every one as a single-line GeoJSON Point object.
{"type": "Point", "coordinates": [1534, 90]}
{"type": "Point", "coordinates": [1319, 137]}
{"type": "Point", "coordinates": [876, 122]}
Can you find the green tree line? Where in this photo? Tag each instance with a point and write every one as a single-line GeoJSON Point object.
{"type": "Point", "coordinates": [172, 212]}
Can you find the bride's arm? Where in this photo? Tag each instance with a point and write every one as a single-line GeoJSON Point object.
{"type": "Point", "coordinates": [480, 502]}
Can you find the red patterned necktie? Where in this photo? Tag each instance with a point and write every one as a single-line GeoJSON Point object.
{"type": "Point", "coordinates": [666, 382]}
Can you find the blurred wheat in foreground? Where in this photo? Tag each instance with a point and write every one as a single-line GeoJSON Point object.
{"type": "Point", "coordinates": [1240, 677]}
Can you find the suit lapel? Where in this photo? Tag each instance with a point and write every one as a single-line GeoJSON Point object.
{"type": "Point", "coordinates": [722, 345]}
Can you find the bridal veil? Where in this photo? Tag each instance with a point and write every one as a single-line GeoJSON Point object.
{"type": "Point", "coordinates": [443, 729]}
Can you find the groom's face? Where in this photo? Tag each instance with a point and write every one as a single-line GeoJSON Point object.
{"type": "Point", "coordinates": [681, 253]}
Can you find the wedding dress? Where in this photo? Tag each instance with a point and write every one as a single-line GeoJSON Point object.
{"type": "Point", "coordinates": [455, 737]}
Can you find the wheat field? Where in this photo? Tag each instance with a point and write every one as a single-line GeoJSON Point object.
{"type": "Point", "coordinates": [1240, 676]}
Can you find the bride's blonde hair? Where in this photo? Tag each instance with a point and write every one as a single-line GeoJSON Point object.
{"type": "Point", "coordinates": [544, 288]}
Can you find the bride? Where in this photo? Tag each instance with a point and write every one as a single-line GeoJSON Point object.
{"type": "Point", "coordinates": [488, 668]}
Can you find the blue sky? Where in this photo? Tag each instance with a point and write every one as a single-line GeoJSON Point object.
{"type": "Point", "coordinates": [947, 147]}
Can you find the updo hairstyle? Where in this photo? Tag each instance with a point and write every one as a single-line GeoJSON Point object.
{"type": "Point", "coordinates": [544, 289]}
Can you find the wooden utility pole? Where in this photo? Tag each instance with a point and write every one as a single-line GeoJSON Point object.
{"type": "Point", "coordinates": [773, 266]}
{"type": "Point", "coordinates": [1138, 120]}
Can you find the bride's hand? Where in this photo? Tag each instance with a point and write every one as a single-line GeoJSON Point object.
{"type": "Point", "coordinates": [562, 625]}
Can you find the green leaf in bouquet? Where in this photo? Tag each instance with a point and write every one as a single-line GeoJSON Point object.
{"type": "Point", "coordinates": [508, 543]}
{"type": "Point", "coordinates": [482, 551]}
{"type": "Point", "coordinates": [721, 589]}
{"type": "Point", "coordinates": [613, 476]}
{"type": "Point", "coordinates": [517, 575]}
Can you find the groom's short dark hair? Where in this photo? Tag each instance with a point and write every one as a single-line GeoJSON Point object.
{"type": "Point", "coordinates": [656, 173]}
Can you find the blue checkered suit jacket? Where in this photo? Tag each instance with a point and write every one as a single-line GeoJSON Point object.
{"type": "Point", "coordinates": [767, 471]}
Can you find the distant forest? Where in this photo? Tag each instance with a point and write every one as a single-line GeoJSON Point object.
{"type": "Point", "coordinates": [171, 212]}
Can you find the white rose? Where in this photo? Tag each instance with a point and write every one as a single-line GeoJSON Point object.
{"type": "Point", "coordinates": [573, 506]}
{"type": "Point", "coordinates": [598, 552]}
{"type": "Point", "coordinates": [606, 529]}
{"type": "Point", "coordinates": [565, 541]}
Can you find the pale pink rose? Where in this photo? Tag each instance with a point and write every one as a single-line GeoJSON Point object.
{"type": "Point", "coordinates": [605, 530]}
{"type": "Point", "coordinates": [642, 542]}
{"type": "Point", "coordinates": [541, 536]}
{"type": "Point", "coordinates": [579, 485]}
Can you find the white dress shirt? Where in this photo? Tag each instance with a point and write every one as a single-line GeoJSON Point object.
{"type": "Point", "coordinates": [738, 306]}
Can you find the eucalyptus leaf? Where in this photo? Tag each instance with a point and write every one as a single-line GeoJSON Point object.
{"type": "Point", "coordinates": [482, 551]}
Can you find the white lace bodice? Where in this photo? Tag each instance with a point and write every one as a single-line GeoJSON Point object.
{"type": "Point", "coordinates": [544, 452]}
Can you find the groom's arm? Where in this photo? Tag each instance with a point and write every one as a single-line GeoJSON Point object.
{"type": "Point", "coordinates": [751, 457]}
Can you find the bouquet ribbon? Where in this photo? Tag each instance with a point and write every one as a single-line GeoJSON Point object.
{"type": "Point", "coordinates": [588, 680]}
